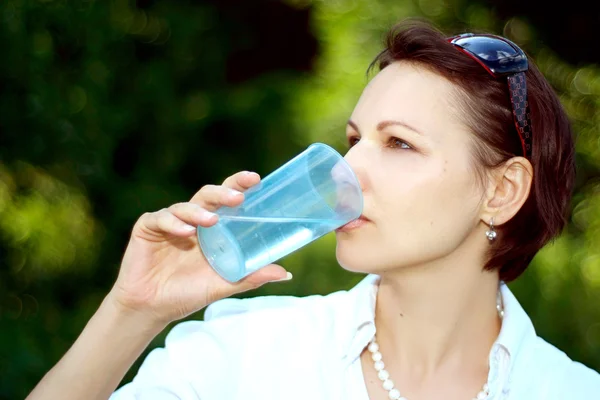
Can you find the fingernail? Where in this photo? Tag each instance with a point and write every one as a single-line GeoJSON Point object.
{"type": "Point", "coordinates": [189, 228]}
{"type": "Point", "coordinates": [251, 173]}
{"type": "Point", "coordinates": [288, 277]}
{"type": "Point", "coordinates": [209, 214]}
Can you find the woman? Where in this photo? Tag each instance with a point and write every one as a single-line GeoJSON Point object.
{"type": "Point", "coordinates": [465, 159]}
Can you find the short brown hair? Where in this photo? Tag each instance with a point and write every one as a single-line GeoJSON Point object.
{"type": "Point", "coordinates": [486, 110]}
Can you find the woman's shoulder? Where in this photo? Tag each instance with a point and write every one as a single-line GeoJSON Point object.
{"type": "Point", "coordinates": [562, 377]}
{"type": "Point", "coordinates": [537, 369]}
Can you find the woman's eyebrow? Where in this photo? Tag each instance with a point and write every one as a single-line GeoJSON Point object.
{"type": "Point", "coordinates": [384, 124]}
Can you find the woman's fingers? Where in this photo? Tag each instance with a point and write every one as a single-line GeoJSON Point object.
{"type": "Point", "coordinates": [229, 194]}
{"type": "Point", "coordinates": [180, 220]}
{"type": "Point", "coordinates": [194, 215]}
{"type": "Point", "coordinates": [183, 218]}
{"type": "Point", "coordinates": [242, 180]}
{"type": "Point", "coordinates": [212, 197]}
{"type": "Point", "coordinates": [267, 274]}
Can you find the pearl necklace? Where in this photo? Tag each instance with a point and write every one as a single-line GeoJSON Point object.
{"type": "Point", "coordinates": [388, 384]}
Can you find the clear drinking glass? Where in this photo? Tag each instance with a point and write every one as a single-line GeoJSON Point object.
{"type": "Point", "coordinates": [311, 195]}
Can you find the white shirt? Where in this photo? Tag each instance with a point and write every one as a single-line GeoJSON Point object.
{"type": "Point", "coordinates": [285, 347]}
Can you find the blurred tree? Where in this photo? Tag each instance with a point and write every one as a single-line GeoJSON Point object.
{"type": "Point", "coordinates": [569, 31]}
{"type": "Point", "coordinates": [110, 109]}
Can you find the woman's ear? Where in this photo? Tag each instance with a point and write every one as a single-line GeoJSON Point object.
{"type": "Point", "coordinates": [508, 188]}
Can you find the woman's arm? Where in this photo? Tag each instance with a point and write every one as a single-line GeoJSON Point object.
{"type": "Point", "coordinates": [111, 341]}
{"type": "Point", "coordinates": [163, 277]}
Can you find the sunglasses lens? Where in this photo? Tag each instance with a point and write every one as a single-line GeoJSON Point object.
{"type": "Point", "coordinates": [499, 55]}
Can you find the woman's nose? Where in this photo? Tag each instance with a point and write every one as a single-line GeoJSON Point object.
{"type": "Point", "coordinates": [349, 190]}
{"type": "Point", "coordinates": [348, 171]}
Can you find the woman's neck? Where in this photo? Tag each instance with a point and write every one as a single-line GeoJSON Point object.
{"type": "Point", "coordinates": [437, 316]}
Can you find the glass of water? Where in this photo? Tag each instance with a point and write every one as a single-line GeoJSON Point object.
{"type": "Point", "coordinates": [311, 195]}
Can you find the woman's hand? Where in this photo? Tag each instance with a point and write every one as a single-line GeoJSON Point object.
{"type": "Point", "coordinates": [164, 274]}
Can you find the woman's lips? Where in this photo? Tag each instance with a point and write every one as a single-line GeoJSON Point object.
{"type": "Point", "coordinates": [354, 224]}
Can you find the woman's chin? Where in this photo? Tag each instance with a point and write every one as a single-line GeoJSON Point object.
{"type": "Point", "coordinates": [354, 261]}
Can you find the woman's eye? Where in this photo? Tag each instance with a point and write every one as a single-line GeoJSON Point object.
{"type": "Point", "coordinates": [398, 144]}
{"type": "Point", "coordinates": [353, 140]}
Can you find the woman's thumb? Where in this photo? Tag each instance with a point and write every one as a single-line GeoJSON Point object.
{"type": "Point", "coordinates": [270, 273]}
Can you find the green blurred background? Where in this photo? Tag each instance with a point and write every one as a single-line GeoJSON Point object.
{"type": "Point", "coordinates": [110, 109]}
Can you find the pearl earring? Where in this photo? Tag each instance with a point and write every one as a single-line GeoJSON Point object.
{"type": "Point", "coordinates": [491, 233]}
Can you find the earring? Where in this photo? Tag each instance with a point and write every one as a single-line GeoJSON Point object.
{"type": "Point", "coordinates": [491, 233]}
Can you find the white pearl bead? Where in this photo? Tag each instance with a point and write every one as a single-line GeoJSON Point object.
{"type": "Point", "coordinates": [379, 365]}
{"type": "Point", "coordinates": [373, 347]}
{"type": "Point", "coordinates": [383, 374]}
{"type": "Point", "coordinates": [394, 394]}
{"type": "Point", "coordinates": [388, 384]}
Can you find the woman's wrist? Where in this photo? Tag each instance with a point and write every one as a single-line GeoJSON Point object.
{"type": "Point", "coordinates": [120, 314]}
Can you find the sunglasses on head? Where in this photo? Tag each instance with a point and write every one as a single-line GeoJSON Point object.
{"type": "Point", "coordinates": [500, 57]}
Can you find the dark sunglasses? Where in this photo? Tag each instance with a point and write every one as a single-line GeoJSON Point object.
{"type": "Point", "coordinates": [501, 57]}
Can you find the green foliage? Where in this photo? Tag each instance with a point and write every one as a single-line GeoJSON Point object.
{"type": "Point", "coordinates": [109, 110]}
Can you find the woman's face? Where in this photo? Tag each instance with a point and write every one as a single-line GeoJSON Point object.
{"type": "Point", "coordinates": [411, 155]}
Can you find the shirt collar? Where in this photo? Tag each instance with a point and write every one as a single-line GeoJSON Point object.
{"type": "Point", "coordinates": [516, 329]}
{"type": "Point", "coordinates": [362, 299]}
